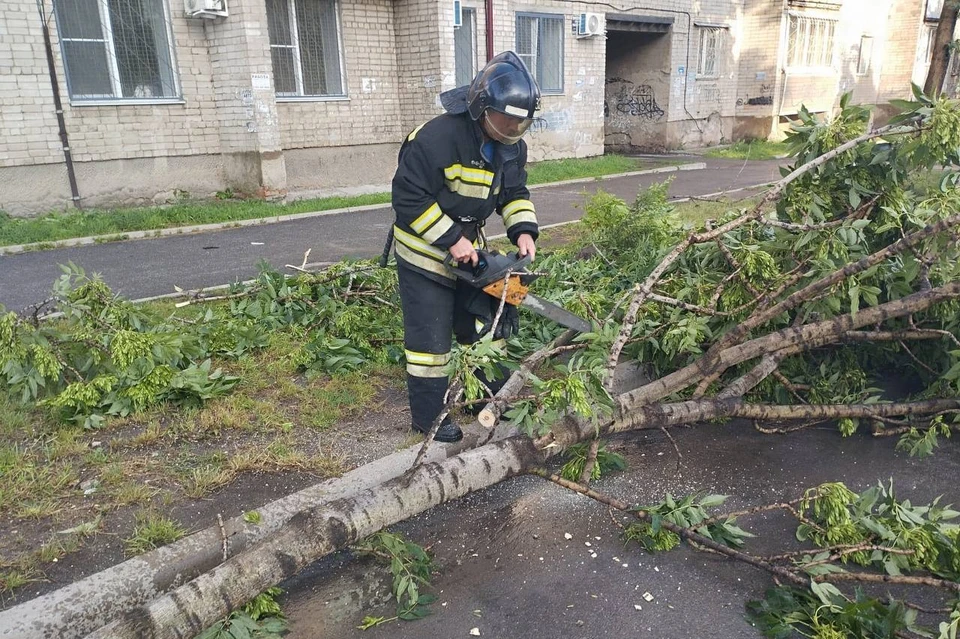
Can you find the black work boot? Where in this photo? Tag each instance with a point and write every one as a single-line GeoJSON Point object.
{"type": "Point", "coordinates": [447, 433]}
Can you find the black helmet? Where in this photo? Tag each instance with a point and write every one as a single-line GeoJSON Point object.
{"type": "Point", "coordinates": [505, 85]}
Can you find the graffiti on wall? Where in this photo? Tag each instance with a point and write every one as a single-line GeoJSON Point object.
{"type": "Point", "coordinates": [555, 121]}
{"type": "Point", "coordinates": [764, 99]}
{"type": "Point", "coordinates": [630, 99]}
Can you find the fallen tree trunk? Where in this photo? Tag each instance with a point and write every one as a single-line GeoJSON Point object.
{"type": "Point", "coordinates": [81, 607]}
{"type": "Point", "coordinates": [188, 610]}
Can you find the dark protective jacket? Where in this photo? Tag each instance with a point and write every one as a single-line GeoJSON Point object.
{"type": "Point", "coordinates": [445, 187]}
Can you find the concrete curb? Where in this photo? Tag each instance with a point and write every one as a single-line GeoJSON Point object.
{"type": "Point", "coordinates": [15, 249]}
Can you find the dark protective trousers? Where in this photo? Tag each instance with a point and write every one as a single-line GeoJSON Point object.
{"type": "Point", "coordinates": [432, 313]}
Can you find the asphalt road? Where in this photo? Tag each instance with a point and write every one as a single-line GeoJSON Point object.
{"type": "Point", "coordinates": [506, 566]}
{"type": "Point", "coordinates": [145, 268]}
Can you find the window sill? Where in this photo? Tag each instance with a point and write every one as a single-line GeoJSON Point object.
{"type": "Point", "coordinates": [126, 102]}
{"type": "Point", "coordinates": [313, 98]}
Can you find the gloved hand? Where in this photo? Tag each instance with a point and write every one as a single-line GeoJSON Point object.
{"type": "Point", "coordinates": [509, 320]}
{"type": "Point", "coordinates": [474, 318]}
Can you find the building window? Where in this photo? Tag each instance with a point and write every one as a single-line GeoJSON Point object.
{"type": "Point", "coordinates": [540, 46]}
{"type": "Point", "coordinates": [934, 8]}
{"type": "Point", "coordinates": [866, 55]}
{"type": "Point", "coordinates": [711, 44]}
{"type": "Point", "coordinates": [810, 42]}
{"type": "Point", "coordinates": [928, 35]}
{"type": "Point", "coordinates": [305, 48]}
{"type": "Point", "coordinates": [464, 50]}
{"type": "Point", "coordinates": [117, 49]}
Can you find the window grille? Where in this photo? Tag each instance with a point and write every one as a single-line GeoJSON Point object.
{"type": "Point", "coordinates": [866, 55]}
{"type": "Point", "coordinates": [811, 42]}
{"type": "Point", "coordinates": [464, 50]}
{"type": "Point", "coordinates": [117, 49]}
{"type": "Point", "coordinates": [540, 46]}
{"type": "Point", "coordinates": [711, 39]}
{"type": "Point", "coordinates": [305, 47]}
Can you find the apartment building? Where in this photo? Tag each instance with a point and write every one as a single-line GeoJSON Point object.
{"type": "Point", "coordinates": [811, 52]}
{"type": "Point", "coordinates": [268, 97]}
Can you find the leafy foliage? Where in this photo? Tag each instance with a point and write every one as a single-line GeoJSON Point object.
{"type": "Point", "coordinates": [607, 462]}
{"type": "Point", "coordinates": [786, 610]}
{"type": "Point", "coordinates": [104, 356]}
{"type": "Point", "coordinates": [873, 529]}
{"type": "Point", "coordinates": [688, 512]}
{"type": "Point", "coordinates": [849, 207]}
{"type": "Point", "coordinates": [411, 568]}
{"type": "Point", "coordinates": [834, 515]}
{"type": "Point", "coordinates": [261, 618]}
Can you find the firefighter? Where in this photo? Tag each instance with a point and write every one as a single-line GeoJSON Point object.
{"type": "Point", "coordinates": [453, 173]}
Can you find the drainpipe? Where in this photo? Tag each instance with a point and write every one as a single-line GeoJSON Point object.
{"type": "Point", "coordinates": [488, 10]}
{"type": "Point", "coordinates": [58, 106]}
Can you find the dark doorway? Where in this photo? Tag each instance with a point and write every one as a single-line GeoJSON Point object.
{"type": "Point", "coordinates": [637, 91]}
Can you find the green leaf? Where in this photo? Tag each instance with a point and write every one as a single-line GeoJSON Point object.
{"type": "Point", "coordinates": [712, 501]}
{"type": "Point", "coordinates": [828, 594]}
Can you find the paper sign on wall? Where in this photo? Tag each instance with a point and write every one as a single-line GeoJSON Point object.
{"type": "Point", "coordinates": [260, 81]}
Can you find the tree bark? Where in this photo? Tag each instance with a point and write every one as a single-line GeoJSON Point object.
{"type": "Point", "coordinates": [940, 59]}
{"type": "Point", "coordinates": [808, 336]}
{"type": "Point", "coordinates": [189, 609]}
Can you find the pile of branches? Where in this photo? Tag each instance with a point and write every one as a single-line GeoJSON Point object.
{"type": "Point", "coordinates": [89, 354]}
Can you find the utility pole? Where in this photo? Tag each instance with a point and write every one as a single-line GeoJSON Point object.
{"type": "Point", "coordinates": [940, 59]}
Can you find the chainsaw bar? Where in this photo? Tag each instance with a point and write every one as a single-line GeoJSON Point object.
{"type": "Point", "coordinates": [556, 313]}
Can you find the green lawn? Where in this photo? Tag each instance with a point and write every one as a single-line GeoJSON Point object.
{"type": "Point", "coordinates": [575, 168]}
{"type": "Point", "coordinates": [752, 150]}
{"type": "Point", "coordinates": [70, 224]}
{"type": "Point", "coordinates": [115, 223]}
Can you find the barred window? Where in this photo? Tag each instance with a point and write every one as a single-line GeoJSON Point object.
{"type": "Point", "coordinates": [540, 46]}
{"type": "Point", "coordinates": [464, 49]}
{"type": "Point", "coordinates": [711, 43]}
{"type": "Point", "coordinates": [810, 42]}
{"type": "Point", "coordinates": [305, 48]}
{"type": "Point", "coordinates": [117, 49]}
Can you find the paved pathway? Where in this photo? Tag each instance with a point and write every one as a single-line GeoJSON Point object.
{"type": "Point", "coordinates": [144, 268]}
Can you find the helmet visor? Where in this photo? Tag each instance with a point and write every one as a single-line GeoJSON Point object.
{"type": "Point", "coordinates": [506, 129]}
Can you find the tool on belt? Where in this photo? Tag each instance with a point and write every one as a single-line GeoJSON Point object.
{"type": "Point", "coordinates": [490, 274]}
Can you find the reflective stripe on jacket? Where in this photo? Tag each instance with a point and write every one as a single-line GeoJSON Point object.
{"type": "Point", "coordinates": [445, 188]}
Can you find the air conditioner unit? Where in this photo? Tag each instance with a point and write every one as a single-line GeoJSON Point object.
{"type": "Point", "coordinates": [590, 24]}
{"type": "Point", "coordinates": [205, 8]}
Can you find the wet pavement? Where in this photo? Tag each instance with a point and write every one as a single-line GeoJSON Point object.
{"type": "Point", "coordinates": [144, 268]}
{"type": "Point", "coordinates": [506, 566]}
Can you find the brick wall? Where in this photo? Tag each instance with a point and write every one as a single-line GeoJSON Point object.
{"type": "Point", "coordinates": [97, 132]}
{"type": "Point", "coordinates": [398, 55]}
{"type": "Point", "coordinates": [371, 114]}
{"type": "Point", "coordinates": [899, 51]}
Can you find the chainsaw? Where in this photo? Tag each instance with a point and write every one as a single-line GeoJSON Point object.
{"type": "Point", "coordinates": [490, 274]}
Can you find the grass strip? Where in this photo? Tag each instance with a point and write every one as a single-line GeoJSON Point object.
{"type": "Point", "coordinates": [63, 225]}
{"type": "Point", "coordinates": [752, 150]}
